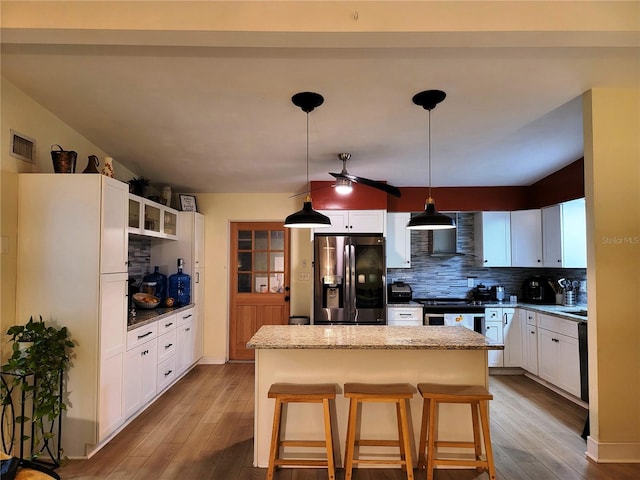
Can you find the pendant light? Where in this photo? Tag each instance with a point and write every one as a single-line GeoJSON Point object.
{"type": "Point", "coordinates": [307, 217]}
{"type": "Point", "coordinates": [430, 219]}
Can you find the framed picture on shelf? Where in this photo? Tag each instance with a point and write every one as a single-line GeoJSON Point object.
{"type": "Point", "coordinates": [188, 203]}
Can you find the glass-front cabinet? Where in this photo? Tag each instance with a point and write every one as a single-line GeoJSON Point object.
{"type": "Point", "coordinates": [152, 219]}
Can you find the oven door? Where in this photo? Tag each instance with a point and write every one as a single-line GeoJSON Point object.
{"type": "Point", "coordinates": [431, 318]}
{"type": "Point", "coordinates": [475, 319]}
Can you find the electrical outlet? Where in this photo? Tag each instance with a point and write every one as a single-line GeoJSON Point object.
{"type": "Point", "coordinates": [470, 282]}
{"type": "Point", "coordinates": [304, 276]}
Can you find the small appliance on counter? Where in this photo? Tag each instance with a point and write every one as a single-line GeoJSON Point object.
{"type": "Point", "coordinates": [538, 290]}
{"type": "Point", "coordinates": [399, 292]}
{"type": "Point", "coordinates": [180, 286]}
{"type": "Point", "coordinates": [481, 293]}
{"type": "Point", "coordinates": [497, 293]}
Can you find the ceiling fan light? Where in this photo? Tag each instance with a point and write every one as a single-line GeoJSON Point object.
{"type": "Point", "coordinates": [431, 219]}
{"type": "Point", "coordinates": [343, 186]}
{"type": "Point", "coordinates": [307, 218]}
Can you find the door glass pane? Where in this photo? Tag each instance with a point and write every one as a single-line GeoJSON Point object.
{"type": "Point", "coordinates": [262, 240]}
{"type": "Point", "coordinates": [244, 239]}
{"type": "Point", "coordinates": [277, 240]}
{"type": "Point", "coordinates": [260, 283]}
{"type": "Point", "coordinates": [276, 283]}
{"type": "Point", "coordinates": [244, 261]}
{"type": "Point", "coordinates": [277, 262]}
{"type": "Point", "coordinates": [244, 283]}
{"type": "Point", "coordinates": [260, 261]}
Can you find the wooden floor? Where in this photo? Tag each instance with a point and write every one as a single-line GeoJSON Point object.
{"type": "Point", "coordinates": [202, 428]}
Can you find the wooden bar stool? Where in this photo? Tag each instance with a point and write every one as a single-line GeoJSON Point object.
{"type": "Point", "coordinates": [477, 397]}
{"type": "Point", "coordinates": [301, 393]}
{"type": "Point", "coordinates": [397, 393]}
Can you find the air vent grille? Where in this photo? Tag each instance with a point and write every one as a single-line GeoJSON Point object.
{"type": "Point", "coordinates": [23, 147]}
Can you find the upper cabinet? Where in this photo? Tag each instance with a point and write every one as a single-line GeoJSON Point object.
{"type": "Point", "coordinates": [152, 219]}
{"type": "Point", "coordinates": [398, 242]}
{"type": "Point", "coordinates": [526, 238]}
{"type": "Point", "coordinates": [493, 239]}
{"type": "Point", "coordinates": [564, 233]}
{"type": "Point", "coordinates": [354, 221]}
{"type": "Point", "coordinates": [114, 252]}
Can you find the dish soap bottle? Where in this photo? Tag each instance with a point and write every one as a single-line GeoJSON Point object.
{"type": "Point", "coordinates": [180, 286]}
{"type": "Point", "coordinates": [160, 280]}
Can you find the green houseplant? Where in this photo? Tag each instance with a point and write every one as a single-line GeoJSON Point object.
{"type": "Point", "coordinates": [42, 353]}
{"type": "Point", "coordinates": [138, 185]}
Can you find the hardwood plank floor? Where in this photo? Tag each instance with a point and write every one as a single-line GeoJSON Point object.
{"type": "Point", "coordinates": [202, 429]}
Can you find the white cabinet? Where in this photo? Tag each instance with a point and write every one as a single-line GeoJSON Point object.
{"type": "Point", "coordinates": [355, 221]}
{"type": "Point", "coordinates": [113, 308]}
{"type": "Point", "coordinates": [501, 327]}
{"type": "Point", "coordinates": [493, 331]}
{"type": "Point", "coordinates": [71, 263]}
{"type": "Point", "coordinates": [410, 315]}
{"type": "Point", "coordinates": [141, 369]}
{"type": "Point", "coordinates": [526, 238]}
{"type": "Point", "coordinates": [558, 353]}
{"type": "Point", "coordinates": [512, 334]}
{"type": "Point", "coordinates": [151, 219]}
{"type": "Point", "coordinates": [564, 233]}
{"type": "Point", "coordinates": [529, 341]}
{"type": "Point", "coordinates": [493, 239]}
{"type": "Point", "coordinates": [186, 337]}
{"type": "Point", "coordinates": [398, 244]}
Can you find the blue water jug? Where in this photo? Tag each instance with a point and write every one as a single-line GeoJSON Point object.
{"type": "Point", "coordinates": [180, 286]}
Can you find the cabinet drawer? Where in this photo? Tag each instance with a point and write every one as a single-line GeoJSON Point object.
{"type": "Point", "coordinates": [166, 345]}
{"type": "Point", "coordinates": [558, 325]}
{"type": "Point", "coordinates": [531, 317]}
{"type": "Point", "coordinates": [404, 313]}
{"type": "Point", "coordinates": [493, 314]}
{"type": "Point", "coordinates": [186, 316]}
{"type": "Point", "coordinates": [167, 324]}
{"type": "Point", "coordinates": [141, 335]}
{"type": "Point", "coordinates": [166, 373]}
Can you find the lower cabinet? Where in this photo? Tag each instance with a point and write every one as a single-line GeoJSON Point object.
{"type": "Point", "coordinates": [493, 331]}
{"type": "Point", "coordinates": [529, 341]}
{"type": "Point", "coordinates": [140, 376]}
{"type": "Point", "coordinates": [503, 326]}
{"type": "Point", "coordinates": [558, 353]}
{"type": "Point", "coordinates": [186, 340]}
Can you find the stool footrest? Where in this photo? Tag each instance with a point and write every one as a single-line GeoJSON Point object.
{"type": "Point", "coordinates": [444, 443]}
{"type": "Point", "coordinates": [303, 443]}
{"type": "Point", "coordinates": [300, 462]}
{"type": "Point", "coordinates": [463, 463]}
{"type": "Point", "coordinates": [366, 461]}
{"type": "Point", "coordinates": [377, 443]}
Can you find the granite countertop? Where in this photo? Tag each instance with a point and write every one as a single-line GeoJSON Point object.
{"type": "Point", "coordinates": [146, 316]}
{"type": "Point", "coordinates": [369, 337]}
{"type": "Point", "coordinates": [562, 311]}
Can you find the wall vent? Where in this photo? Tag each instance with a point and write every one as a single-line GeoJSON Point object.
{"type": "Point", "coordinates": [23, 147]}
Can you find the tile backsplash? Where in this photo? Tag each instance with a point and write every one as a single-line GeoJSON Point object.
{"type": "Point", "coordinates": [139, 257]}
{"type": "Point", "coordinates": [446, 276]}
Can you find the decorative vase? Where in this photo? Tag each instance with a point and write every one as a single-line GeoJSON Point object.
{"type": "Point", "coordinates": [166, 195]}
{"type": "Point", "coordinates": [108, 167]}
{"type": "Point", "coordinates": [63, 161]}
{"type": "Point", "coordinates": [92, 165]}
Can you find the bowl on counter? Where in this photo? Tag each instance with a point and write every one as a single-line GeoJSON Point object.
{"type": "Point", "coordinates": [145, 300]}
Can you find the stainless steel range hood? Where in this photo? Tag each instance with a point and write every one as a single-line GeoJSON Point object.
{"type": "Point", "coordinates": [443, 243]}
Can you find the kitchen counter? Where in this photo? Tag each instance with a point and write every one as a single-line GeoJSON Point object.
{"type": "Point", "coordinates": [561, 311]}
{"type": "Point", "coordinates": [146, 316]}
{"type": "Point", "coordinates": [369, 337]}
{"type": "Point", "coordinates": [363, 353]}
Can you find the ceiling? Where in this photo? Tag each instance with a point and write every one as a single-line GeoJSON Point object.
{"type": "Point", "coordinates": [212, 118]}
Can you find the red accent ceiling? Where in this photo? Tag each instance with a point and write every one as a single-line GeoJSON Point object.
{"type": "Point", "coordinates": [565, 184]}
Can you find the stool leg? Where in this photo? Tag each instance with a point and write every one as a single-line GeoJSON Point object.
{"type": "Point", "coordinates": [400, 435]}
{"type": "Point", "coordinates": [351, 439]}
{"type": "Point", "coordinates": [331, 467]}
{"type": "Point", "coordinates": [422, 461]}
{"type": "Point", "coordinates": [476, 430]}
{"type": "Point", "coordinates": [275, 439]}
{"type": "Point", "coordinates": [484, 417]}
{"type": "Point", "coordinates": [431, 449]}
{"type": "Point", "coordinates": [405, 443]}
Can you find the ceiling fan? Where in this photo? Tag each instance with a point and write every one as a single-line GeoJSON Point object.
{"type": "Point", "coordinates": [344, 179]}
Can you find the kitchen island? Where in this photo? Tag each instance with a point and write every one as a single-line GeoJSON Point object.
{"type": "Point", "coordinates": [374, 354]}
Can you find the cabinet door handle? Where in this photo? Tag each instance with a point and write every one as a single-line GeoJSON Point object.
{"type": "Point", "coordinates": [145, 335]}
{"type": "Point", "coordinates": [505, 318]}
{"type": "Point", "coordinates": [532, 332]}
{"type": "Point", "coordinates": [186, 316]}
{"type": "Point", "coordinates": [168, 373]}
{"type": "Point", "coordinates": [555, 340]}
{"type": "Point", "coordinates": [167, 325]}
{"type": "Point", "coordinates": [197, 277]}
{"type": "Point", "coordinates": [169, 345]}
{"type": "Point", "coordinates": [187, 329]}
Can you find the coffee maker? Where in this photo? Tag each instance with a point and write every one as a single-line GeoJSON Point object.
{"type": "Point", "coordinates": [537, 289]}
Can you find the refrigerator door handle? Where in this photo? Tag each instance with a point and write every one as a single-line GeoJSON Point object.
{"type": "Point", "coordinates": [353, 280]}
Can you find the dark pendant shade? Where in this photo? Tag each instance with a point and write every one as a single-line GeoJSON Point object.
{"type": "Point", "coordinates": [430, 219]}
{"type": "Point", "coordinates": [307, 218]}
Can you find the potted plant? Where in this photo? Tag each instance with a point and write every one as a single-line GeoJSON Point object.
{"type": "Point", "coordinates": [137, 185]}
{"type": "Point", "coordinates": [39, 360]}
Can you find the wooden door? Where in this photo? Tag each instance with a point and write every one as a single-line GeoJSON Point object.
{"type": "Point", "coordinates": [259, 270]}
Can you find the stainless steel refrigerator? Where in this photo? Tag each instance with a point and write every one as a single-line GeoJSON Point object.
{"type": "Point", "coordinates": [349, 280]}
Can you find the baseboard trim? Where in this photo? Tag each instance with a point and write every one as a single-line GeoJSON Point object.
{"type": "Point", "coordinates": [559, 391]}
{"type": "Point", "coordinates": [212, 361]}
{"type": "Point", "coordinates": [602, 452]}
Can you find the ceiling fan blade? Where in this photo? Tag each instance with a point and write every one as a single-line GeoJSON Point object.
{"type": "Point", "coordinates": [385, 187]}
